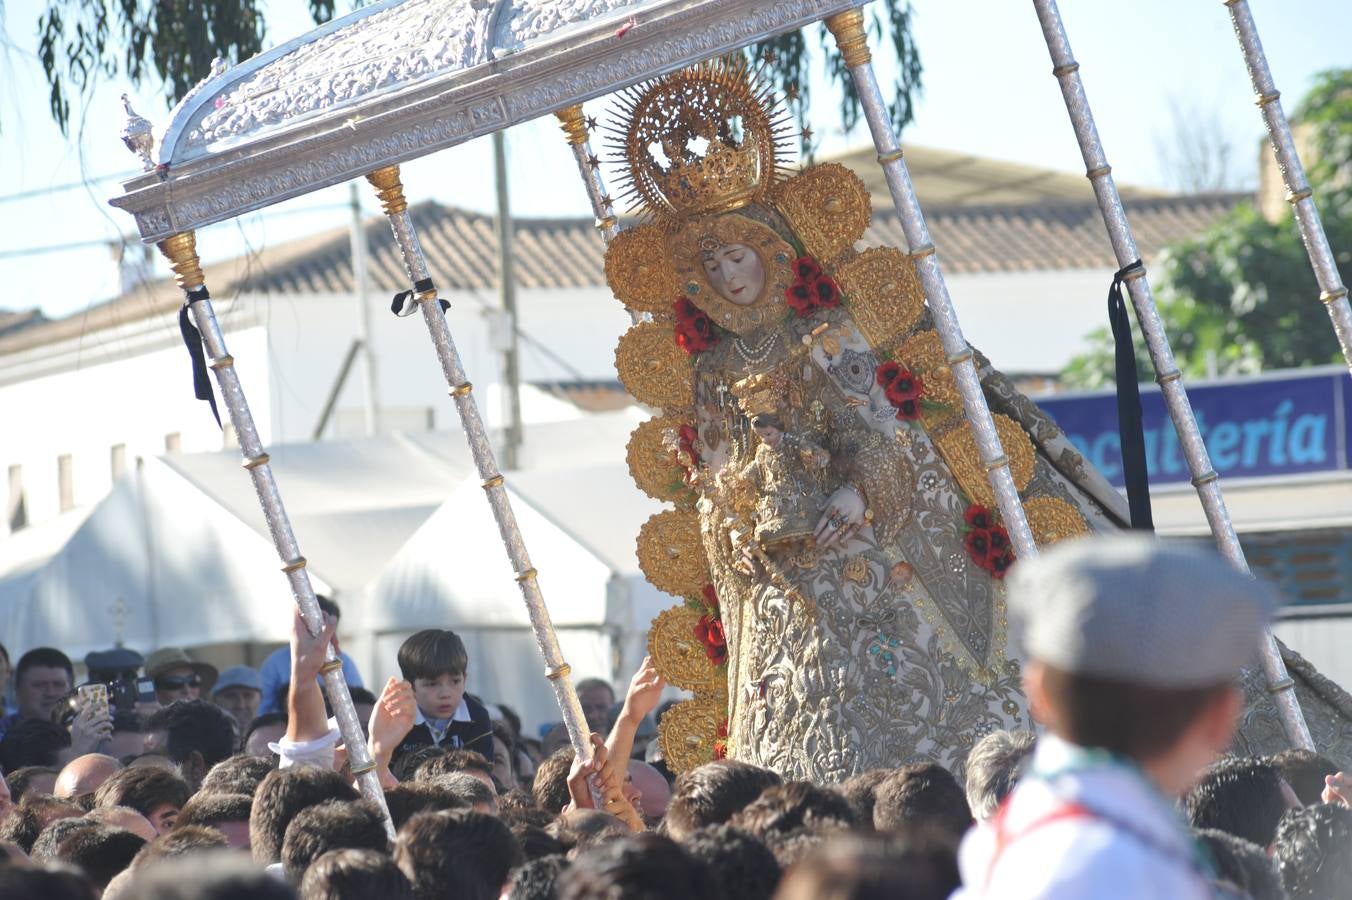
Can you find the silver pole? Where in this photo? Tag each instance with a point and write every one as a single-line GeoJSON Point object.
{"type": "Point", "coordinates": [1204, 477]}
{"type": "Point", "coordinates": [181, 249]}
{"type": "Point", "coordinates": [1298, 193]}
{"type": "Point", "coordinates": [575, 127]}
{"type": "Point", "coordinates": [391, 193]}
{"type": "Point", "coordinates": [848, 29]}
{"type": "Point", "coordinates": [511, 360]}
{"type": "Point", "coordinates": [360, 282]}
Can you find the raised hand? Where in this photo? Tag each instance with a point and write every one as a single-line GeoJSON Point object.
{"type": "Point", "coordinates": [391, 719]}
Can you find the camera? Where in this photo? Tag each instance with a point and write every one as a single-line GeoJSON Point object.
{"type": "Point", "coordinates": [119, 669]}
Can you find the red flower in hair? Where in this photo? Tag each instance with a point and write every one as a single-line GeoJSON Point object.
{"type": "Point", "coordinates": [978, 516]}
{"type": "Point", "coordinates": [805, 268]}
{"type": "Point", "coordinates": [694, 328]}
{"type": "Point", "coordinates": [799, 297]}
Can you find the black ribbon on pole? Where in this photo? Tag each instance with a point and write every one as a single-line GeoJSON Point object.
{"type": "Point", "coordinates": [1129, 426]}
{"type": "Point", "coordinates": [404, 302]}
{"type": "Point", "coordinates": [192, 339]}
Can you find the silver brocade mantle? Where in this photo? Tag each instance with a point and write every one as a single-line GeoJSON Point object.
{"type": "Point", "coordinates": [403, 78]}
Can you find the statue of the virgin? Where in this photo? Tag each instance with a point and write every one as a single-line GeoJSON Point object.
{"type": "Point", "coordinates": [834, 535]}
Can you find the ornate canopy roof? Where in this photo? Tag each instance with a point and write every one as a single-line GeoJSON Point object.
{"type": "Point", "coordinates": [402, 78]}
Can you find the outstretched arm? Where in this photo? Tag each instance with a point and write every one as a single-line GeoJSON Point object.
{"type": "Point", "coordinates": [309, 740]}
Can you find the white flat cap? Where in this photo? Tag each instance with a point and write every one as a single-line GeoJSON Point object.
{"type": "Point", "coordinates": [1137, 609]}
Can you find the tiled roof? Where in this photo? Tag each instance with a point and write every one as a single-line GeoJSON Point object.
{"type": "Point", "coordinates": [567, 253]}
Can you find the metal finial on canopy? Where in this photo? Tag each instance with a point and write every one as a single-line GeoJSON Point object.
{"type": "Point", "coordinates": [137, 135]}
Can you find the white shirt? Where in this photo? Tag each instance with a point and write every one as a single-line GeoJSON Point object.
{"type": "Point", "coordinates": [1082, 825]}
{"type": "Point", "coordinates": [438, 727]}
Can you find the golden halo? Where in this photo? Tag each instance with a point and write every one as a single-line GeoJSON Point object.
{"type": "Point", "coordinates": [671, 553]}
{"type": "Point", "coordinates": [688, 247]}
{"type": "Point", "coordinates": [688, 732]}
{"type": "Point", "coordinates": [960, 452]}
{"type": "Point", "coordinates": [1052, 519]}
{"type": "Point", "coordinates": [639, 272]}
{"type": "Point", "coordinates": [704, 139]}
{"type": "Point", "coordinates": [828, 208]}
{"type": "Point", "coordinates": [678, 654]}
{"type": "Point", "coordinates": [882, 293]}
{"type": "Point", "coordinates": [653, 368]}
{"type": "Point", "coordinates": [653, 465]}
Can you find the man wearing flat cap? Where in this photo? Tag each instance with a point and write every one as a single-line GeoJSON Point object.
{"type": "Point", "coordinates": [1134, 651]}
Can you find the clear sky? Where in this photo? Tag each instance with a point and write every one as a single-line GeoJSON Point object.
{"type": "Point", "coordinates": [988, 91]}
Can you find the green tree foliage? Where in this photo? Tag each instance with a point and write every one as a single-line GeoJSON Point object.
{"type": "Point", "coordinates": [174, 42]}
{"type": "Point", "coordinates": [1242, 295]}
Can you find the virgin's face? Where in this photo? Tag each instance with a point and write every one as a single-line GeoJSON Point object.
{"type": "Point", "coordinates": [736, 272]}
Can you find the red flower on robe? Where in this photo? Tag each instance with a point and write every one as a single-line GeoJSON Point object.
{"type": "Point", "coordinates": [903, 389]}
{"type": "Point", "coordinates": [694, 328]}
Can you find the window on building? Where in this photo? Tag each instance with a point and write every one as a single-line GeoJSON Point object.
{"type": "Point", "coordinates": [65, 479]}
{"type": "Point", "coordinates": [173, 442]}
{"type": "Point", "coordinates": [118, 460]}
{"type": "Point", "coordinates": [16, 509]}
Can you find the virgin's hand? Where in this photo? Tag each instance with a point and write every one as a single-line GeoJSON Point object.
{"type": "Point", "coordinates": [844, 515]}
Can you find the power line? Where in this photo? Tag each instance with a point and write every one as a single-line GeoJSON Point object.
{"type": "Point", "coordinates": [68, 186]}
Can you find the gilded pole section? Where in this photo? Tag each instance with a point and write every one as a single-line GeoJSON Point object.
{"type": "Point", "coordinates": [181, 250]}
{"type": "Point", "coordinates": [576, 129]}
{"type": "Point", "coordinates": [848, 29]}
{"type": "Point", "coordinates": [1332, 292]}
{"type": "Point", "coordinates": [1204, 477]}
{"type": "Point", "coordinates": [391, 193]}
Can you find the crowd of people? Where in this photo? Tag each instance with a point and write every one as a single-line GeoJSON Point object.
{"type": "Point", "coordinates": [203, 785]}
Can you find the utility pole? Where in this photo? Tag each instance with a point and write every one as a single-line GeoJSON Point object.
{"type": "Point", "coordinates": [511, 364]}
{"type": "Point", "coordinates": [359, 282]}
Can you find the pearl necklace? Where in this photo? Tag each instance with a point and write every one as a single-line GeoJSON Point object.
{"type": "Point", "coordinates": [760, 353]}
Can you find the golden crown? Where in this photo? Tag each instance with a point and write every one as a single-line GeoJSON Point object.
{"type": "Point", "coordinates": [703, 140]}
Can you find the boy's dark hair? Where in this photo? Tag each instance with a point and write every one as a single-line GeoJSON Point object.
{"type": "Point", "coordinates": [1242, 864]}
{"type": "Point", "coordinates": [713, 793]}
{"type": "Point", "coordinates": [644, 865]}
{"type": "Point", "coordinates": [536, 879]}
{"type": "Point", "coordinates": [794, 817]}
{"type": "Point", "coordinates": [263, 721]}
{"type": "Point", "coordinates": [50, 837]}
{"type": "Point", "coordinates": [875, 867]}
{"type": "Point", "coordinates": [184, 839]}
{"type": "Point", "coordinates": [535, 841]}
{"type": "Point", "coordinates": [281, 796]}
{"type": "Point", "coordinates": [210, 875]}
{"type": "Point", "coordinates": [1313, 851]}
{"type": "Point", "coordinates": [550, 788]}
{"type": "Point", "coordinates": [1239, 795]}
{"type": "Point", "coordinates": [1304, 770]}
{"type": "Point", "coordinates": [354, 874]}
{"type": "Point", "coordinates": [580, 829]}
{"type": "Point", "coordinates": [921, 794]}
{"type": "Point", "coordinates": [26, 820]}
{"type": "Point", "coordinates": [448, 761]}
{"type": "Point", "coordinates": [406, 800]}
{"type": "Point", "coordinates": [461, 855]}
{"type": "Point", "coordinates": [519, 806]}
{"type": "Point", "coordinates": [44, 657]}
{"type": "Point", "coordinates": [745, 867]}
{"type": "Point", "coordinates": [1134, 720]}
{"type": "Point", "coordinates": [48, 883]}
{"type": "Point", "coordinates": [195, 726]}
{"type": "Point", "coordinates": [331, 825]}
{"type": "Point", "coordinates": [20, 780]}
{"type": "Point", "coordinates": [211, 810]}
{"type": "Point", "coordinates": [100, 852]}
{"type": "Point", "coordinates": [431, 653]}
{"type": "Point", "coordinates": [238, 774]}
{"type": "Point", "coordinates": [861, 791]}
{"type": "Point", "coordinates": [406, 762]}
{"type": "Point", "coordinates": [33, 742]}
{"type": "Point", "coordinates": [144, 789]}
{"type": "Point", "coordinates": [467, 789]}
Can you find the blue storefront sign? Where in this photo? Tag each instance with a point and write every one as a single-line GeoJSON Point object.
{"type": "Point", "coordinates": [1263, 426]}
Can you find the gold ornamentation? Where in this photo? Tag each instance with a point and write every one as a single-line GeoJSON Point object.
{"type": "Point", "coordinates": [1053, 519]}
{"type": "Point", "coordinates": [653, 464]}
{"type": "Point", "coordinates": [761, 394]}
{"type": "Point", "coordinates": [828, 208]}
{"type": "Point", "coordinates": [671, 553]}
{"type": "Point", "coordinates": [883, 294]}
{"type": "Point", "coordinates": [653, 368]}
{"type": "Point", "coordinates": [717, 104]}
{"type": "Point", "coordinates": [389, 189]}
{"type": "Point", "coordinates": [572, 123]}
{"type": "Point", "coordinates": [960, 452]}
{"type": "Point", "coordinates": [181, 251]}
{"type": "Point", "coordinates": [639, 270]}
{"type": "Point", "coordinates": [848, 29]}
{"type": "Point", "coordinates": [923, 353]}
{"type": "Point", "coordinates": [688, 732]}
{"type": "Point", "coordinates": [680, 656]}
{"type": "Point", "coordinates": [856, 570]}
{"type": "Point", "coordinates": [700, 237]}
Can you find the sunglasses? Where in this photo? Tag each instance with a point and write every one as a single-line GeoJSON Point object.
{"type": "Point", "coordinates": [176, 682]}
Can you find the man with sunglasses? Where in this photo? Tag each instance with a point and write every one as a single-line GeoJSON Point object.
{"type": "Point", "coordinates": [178, 676]}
